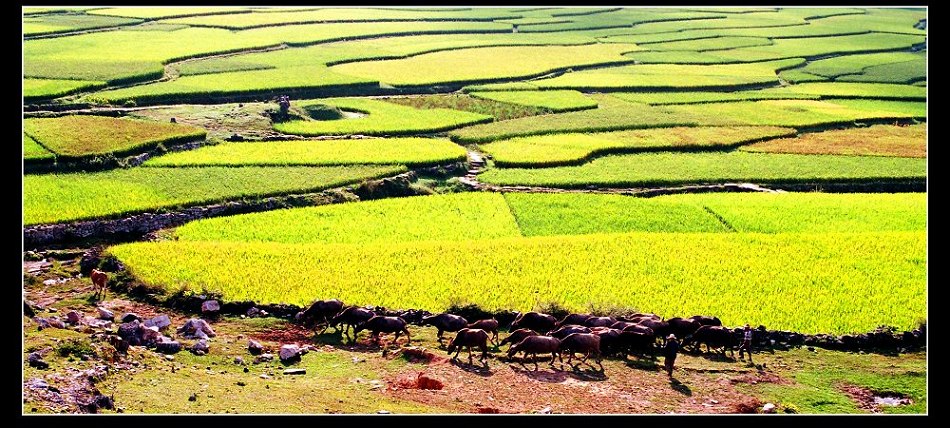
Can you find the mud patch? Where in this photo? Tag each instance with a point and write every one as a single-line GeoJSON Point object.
{"type": "Point", "coordinates": [761, 377]}
{"type": "Point", "coordinates": [287, 333]}
{"type": "Point", "coordinates": [874, 401]}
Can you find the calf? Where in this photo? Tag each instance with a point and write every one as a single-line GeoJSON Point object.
{"type": "Point", "coordinates": [490, 326]}
{"type": "Point", "coordinates": [444, 323]}
{"type": "Point", "coordinates": [99, 282]}
{"type": "Point", "coordinates": [378, 324]}
{"type": "Point", "coordinates": [518, 335]}
{"type": "Point", "coordinates": [351, 317]}
{"type": "Point", "coordinates": [534, 345]}
{"type": "Point", "coordinates": [469, 337]}
{"type": "Point", "coordinates": [534, 320]}
{"type": "Point", "coordinates": [584, 343]}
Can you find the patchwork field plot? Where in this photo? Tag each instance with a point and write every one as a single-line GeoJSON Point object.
{"type": "Point", "coordinates": [651, 169]}
{"type": "Point", "coordinates": [878, 140]}
{"type": "Point", "coordinates": [271, 18]}
{"type": "Point", "coordinates": [481, 64]}
{"type": "Point", "coordinates": [567, 149]}
{"type": "Point", "coordinates": [883, 277]}
{"type": "Point", "coordinates": [79, 135]}
{"type": "Point", "coordinates": [32, 151]}
{"type": "Point", "coordinates": [814, 212]}
{"type": "Point", "coordinates": [819, 46]}
{"type": "Point", "coordinates": [800, 113]}
{"type": "Point", "coordinates": [861, 90]}
{"type": "Point", "coordinates": [458, 217]}
{"type": "Point", "coordinates": [370, 151]}
{"type": "Point", "coordinates": [555, 101]}
{"type": "Point", "coordinates": [64, 23]}
{"type": "Point", "coordinates": [54, 198]}
{"type": "Point", "coordinates": [856, 64]}
{"type": "Point", "coordinates": [166, 12]}
{"type": "Point", "coordinates": [484, 106]}
{"type": "Point", "coordinates": [381, 118]}
{"type": "Point", "coordinates": [663, 98]}
{"type": "Point", "coordinates": [36, 89]}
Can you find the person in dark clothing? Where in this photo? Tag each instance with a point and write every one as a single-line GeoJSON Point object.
{"type": "Point", "coordinates": [746, 345]}
{"type": "Point", "coordinates": [669, 352]}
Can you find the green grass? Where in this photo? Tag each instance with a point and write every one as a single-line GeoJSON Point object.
{"type": "Point", "coordinates": [37, 89]}
{"type": "Point", "coordinates": [622, 19]}
{"type": "Point", "coordinates": [481, 64]}
{"type": "Point", "coordinates": [546, 214]}
{"type": "Point", "coordinates": [652, 76]}
{"type": "Point", "coordinates": [861, 90]}
{"type": "Point", "coordinates": [32, 151]}
{"type": "Point", "coordinates": [900, 72]}
{"type": "Point", "coordinates": [567, 149]}
{"type": "Point", "coordinates": [375, 151]}
{"type": "Point", "coordinates": [798, 76]}
{"type": "Point", "coordinates": [817, 388]}
{"type": "Point", "coordinates": [451, 217]}
{"type": "Point", "coordinates": [648, 169]}
{"type": "Point", "coordinates": [496, 109]}
{"type": "Point", "coordinates": [664, 98]}
{"type": "Point", "coordinates": [677, 57]}
{"type": "Point", "coordinates": [878, 140]}
{"type": "Point", "coordinates": [251, 20]}
{"type": "Point", "coordinates": [803, 282]}
{"type": "Point", "coordinates": [382, 119]}
{"type": "Point", "coordinates": [610, 115]}
{"type": "Point", "coordinates": [53, 198]}
{"type": "Point", "coordinates": [708, 44]}
{"type": "Point", "coordinates": [819, 46]}
{"type": "Point", "coordinates": [206, 86]}
{"type": "Point", "coordinates": [555, 101]}
{"type": "Point", "coordinates": [63, 23]}
{"type": "Point", "coordinates": [81, 135]}
{"type": "Point", "coordinates": [813, 212]}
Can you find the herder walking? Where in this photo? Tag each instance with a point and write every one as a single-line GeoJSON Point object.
{"type": "Point", "coordinates": [746, 345]}
{"type": "Point", "coordinates": [669, 352]}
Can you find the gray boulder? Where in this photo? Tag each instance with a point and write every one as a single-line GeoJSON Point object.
{"type": "Point", "coordinates": [130, 316]}
{"type": "Point", "coordinates": [105, 314]}
{"type": "Point", "coordinates": [161, 321]}
{"type": "Point", "coordinates": [254, 347]}
{"type": "Point", "coordinates": [210, 307]}
{"type": "Point", "coordinates": [196, 328]}
{"type": "Point", "coordinates": [168, 346]}
{"type": "Point", "coordinates": [200, 347]}
{"type": "Point", "coordinates": [289, 353]}
{"type": "Point", "coordinates": [73, 317]}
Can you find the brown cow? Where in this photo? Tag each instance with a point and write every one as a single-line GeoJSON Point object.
{"type": "Point", "coordinates": [99, 281]}
{"type": "Point", "coordinates": [469, 337]}
{"type": "Point", "coordinates": [489, 325]}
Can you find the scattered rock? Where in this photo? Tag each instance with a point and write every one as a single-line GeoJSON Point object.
{"type": "Point", "coordinates": [73, 317]}
{"type": "Point", "coordinates": [210, 307]}
{"type": "Point", "coordinates": [253, 312]}
{"type": "Point", "coordinates": [193, 397]}
{"type": "Point", "coordinates": [168, 346]}
{"type": "Point", "coordinates": [129, 317]}
{"type": "Point", "coordinates": [41, 322]}
{"type": "Point", "coordinates": [811, 349]}
{"type": "Point", "coordinates": [55, 322]}
{"type": "Point", "coordinates": [170, 357]}
{"type": "Point", "coordinates": [104, 402]}
{"type": "Point", "coordinates": [95, 322]}
{"type": "Point", "coordinates": [105, 314]}
{"type": "Point", "coordinates": [49, 282]}
{"type": "Point", "coordinates": [429, 382]}
{"type": "Point", "coordinates": [239, 361]}
{"type": "Point", "coordinates": [247, 370]}
{"type": "Point", "coordinates": [28, 309]}
{"type": "Point", "coordinates": [295, 371]}
{"type": "Point", "coordinates": [264, 376]}
{"type": "Point", "coordinates": [37, 383]}
{"type": "Point", "coordinates": [240, 383]}
{"type": "Point", "coordinates": [160, 321]}
{"type": "Point", "coordinates": [196, 328]}
{"type": "Point", "coordinates": [263, 358]}
{"type": "Point", "coordinates": [254, 347]}
{"type": "Point", "coordinates": [147, 336]}
{"type": "Point", "coordinates": [545, 411]}
{"type": "Point", "coordinates": [419, 380]}
{"type": "Point", "coordinates": [768, 408]}
{"type": "Point", "coordinates": [36, 360]}
{"type": "Point", "coordinates": [383, 412]}
{"type": "Point", "coordinates": [200, 346]}
{"type": "Point", "coordinates": [289, 353]}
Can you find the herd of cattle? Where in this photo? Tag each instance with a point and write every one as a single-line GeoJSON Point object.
{"type": "Point", "coordinates": [534, 333]}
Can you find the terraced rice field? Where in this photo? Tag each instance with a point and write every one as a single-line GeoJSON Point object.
{"type": "Point", "coordinates": [78, 135]}
{"type": "Point", "coordinates": [581, 101]}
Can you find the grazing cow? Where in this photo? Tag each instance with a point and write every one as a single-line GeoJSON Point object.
{"type": "Point", "coordinates": [599, 322]}
{"type": "Point", "coordinates": [445, 322]}
{"type": "Point", "coordinates": [637, 317]}
{"type": "Point", "coordinates": [568, 330]}
{"type": "Point", "coordinates": [321, 311]}
{"type": "Point", "coordinates": [378, 324]}
{"type": "Point", "coordinates": [534, 320]}
{"type": "Point", "coordinates": [99, 282]}
{"type": "Point", "coordinates": [534, 345]}
{"type": "Point", "coordinates": [620, 325]}
{"type": "Point", "coordinates": [575, 319]}
{"type": "Point", "coordinates": [469, 337]}
{"type": "Point", "coordinates": [584, 343]}
{"type": "Point", "coordinates": [351, 317]}
{"type": "Point", "coordinates": [683, 327]}
{"type": "Point", "coordinates": [518, 335]}
{"type": "Point", "coordinates": [489, 325]}
{"type": "Point", "coordinates": [714, 337]}
{"type": "Point", "coordinates": [642, 329]}
{"type": "Point", "coordinates": [705, 320]}
{"type": "Point", "coordinates": [636, 343]}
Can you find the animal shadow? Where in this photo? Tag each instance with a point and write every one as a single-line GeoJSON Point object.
{"type": "Point", "coordinates": [543, 375]}
{"type": "Point", "coordinates": [649, 365]}
{"type": "Point", "coordinates": [680, 387]}
{"type": "Point", "coordinates": [479, 369]}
